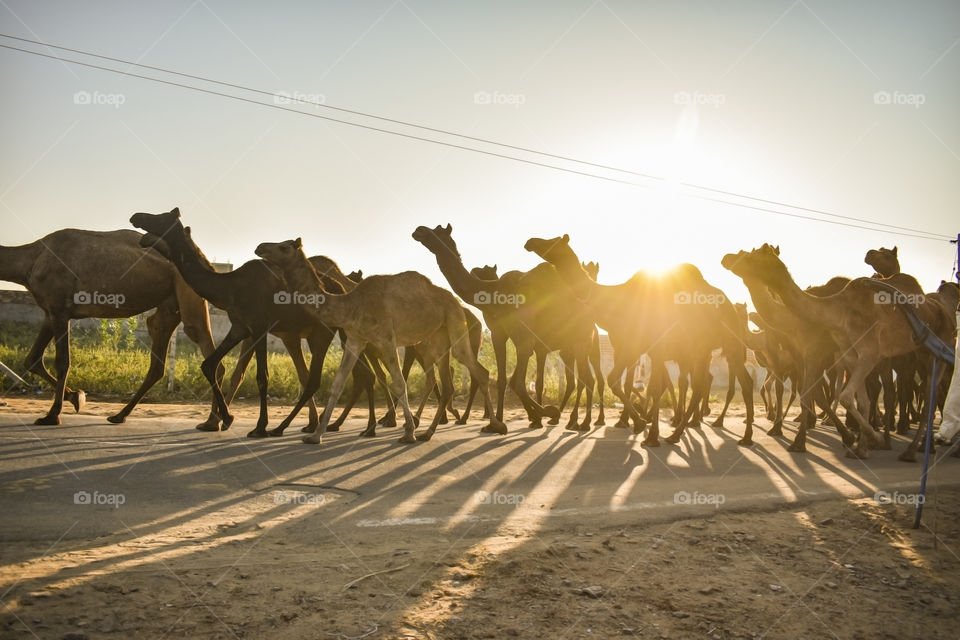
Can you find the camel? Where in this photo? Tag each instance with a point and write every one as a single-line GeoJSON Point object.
{"type": "Point", "coordinates": [74, 273]}
{"type": "Point", "coordinates": [256, 300]}
{"type": "Point", "coordinates": [884, 261]}
{"type": "Point", "coordinates": [664, 317]}
{"type": "Point", "coordinates": [531, 309]}
{"type": "Point", "coordinates": [384, 313]}
{"type": "Point", "coordinates": [864, 325]}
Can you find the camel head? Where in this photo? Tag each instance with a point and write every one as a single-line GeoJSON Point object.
{"type": "Point", "coordinates": [884, 261]}
{"type": "Point", "coordinates": [754, 264]}
{"type": "Point", "coordinates": [438, 240]}
{"type": "Point", "coordinates": [592, 269]}
{"type": "Point", "coordinates": [550, 249]}
{"type": "Point", "coordinates": [150, 241]}
{"type": "Point", "coordinates": [159, 224]}
{"type": "Point", "coordinates": [356, 276]}
{"type": "Point", "coordinates": [486, 272]}
{"type": "Point", "coordinates": [283, 254]}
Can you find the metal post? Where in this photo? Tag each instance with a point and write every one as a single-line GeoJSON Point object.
{"type": "Point", "coordinates": [932, 408]}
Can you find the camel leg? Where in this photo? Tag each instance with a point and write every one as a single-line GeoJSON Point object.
{"type": "Point", "coordinates": [587, 382]}
{"type": "Point", "coordinates": [34, 364]}
{"type": "Point", "coordinates": [260, 352]}
{"type": "Point", "coordinates": [351, 352]}
{"type": "Point", "coordinates": [390, 419]}
{"type": "Point", "coordinates": [746, 389]}
{"type": "Point", "coordinates": [160, 325]}
{"type": "Point", "coordinates": [319, 343]}
{"type": "Point", "coordinates": [538, 382]}
{"type": "Point", "coordinates": [61, 334]}
{"type": "Point", "coordinates": [474, 387]}
{"type": "Point", "coordinates": [598, 376]}
{"type": "Point", "coordinates": [388, 355]}
{"type": "Point", "coordinates": [294, 348]}
{"type": "Point", "coordinates": [236, 378]}
{"type": "Point", "coordinates": [461, 351]}
{"type": "Point", "coordinates": [852, 391]}
{"type": "Point", "coordinates": [622, 392]}
{"type": "Point", "coordinates": [210, 367]}
{"type": "Point", "coordinates": [658, 378]}
{"type": "Point", "coordinates": [446, 392]}
{"type": "Point", "coordinates": [362, 382]}
{"type": "Point", "coordinates": [568, 380]}
{"type": "Point", "coordinates": [500, 354]}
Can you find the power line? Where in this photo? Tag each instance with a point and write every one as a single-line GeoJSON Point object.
{"type": "Point", "coordinates": [597, 165]}
{"type": "Point", "coordinates": [916, 233]}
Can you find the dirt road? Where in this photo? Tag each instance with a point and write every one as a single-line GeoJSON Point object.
{"type": "Point", "coordinates": [152, 529]}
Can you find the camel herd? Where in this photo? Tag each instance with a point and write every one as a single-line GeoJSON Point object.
{"type": "Point", "coordinates": [845, 342]}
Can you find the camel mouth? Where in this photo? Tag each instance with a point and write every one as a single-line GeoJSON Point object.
{"type": "Point", "coordinates": [728, 261]}
{"type": "Point", "coordinates": [419, 233]}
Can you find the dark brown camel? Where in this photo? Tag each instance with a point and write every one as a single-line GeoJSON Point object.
{"type": "Point", "coordinates": [73, 273]}
{"type": "Point", "coordinates": [530, 309]}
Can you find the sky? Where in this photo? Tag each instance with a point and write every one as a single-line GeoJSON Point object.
{"type": "Point", "coordinates": [849, 108]}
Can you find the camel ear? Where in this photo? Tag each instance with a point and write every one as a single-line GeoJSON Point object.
{"type": "Point", "coordinates": [894, 252]}
{"type": "Point", "coordinates": [298, 244]}
{"type": "Point", "coordinates": [566, 238]}
{"type": "Point", "coordinates": [448, 228]}
{"type": "Point", "coordinates": [776, 249]}
{"type": "Point", "coordinates": [175, 211]}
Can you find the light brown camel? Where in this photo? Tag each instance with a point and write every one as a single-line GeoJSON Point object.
{"type": "Point", "coordinates": [884, 261]}
{"type": "Point", "coordinates": [678, 316]}
{"type": "Point", "coordinates": [532, 309]}
{"type": "Point", "coordinates": [74, 273]}
{"type": "Point", "coordinates": [384, 313]}
{"type": "Point", "coordinates": [865, 325]}
{"type": "Point", "coordinates": [255, 298]}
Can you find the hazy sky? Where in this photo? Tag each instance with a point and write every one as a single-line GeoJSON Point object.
{"type": "Point", "coordinates": [777, 100]}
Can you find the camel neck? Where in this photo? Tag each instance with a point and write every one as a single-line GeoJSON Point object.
{"type": "Point", "coordinates": [583, 287]}
{"type": "Point", "coordinates": [769, 309]}
{"type": "Point", "coordinates": [324, 307]}
{"type": "Point", "coordinates": [464, 284]}
{"type": "Point", "coordinates": [16, 263]}
{"type": "Point", "coordinates": [813, 309]}
{"type": "Point", "coordinates": [196, 270]}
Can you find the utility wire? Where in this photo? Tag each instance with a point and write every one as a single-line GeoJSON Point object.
{"type": "Point", "coordinates": [916, 233]}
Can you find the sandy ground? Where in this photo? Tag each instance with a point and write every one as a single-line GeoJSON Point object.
{"type": "Point", "coordinates": [208, 545]}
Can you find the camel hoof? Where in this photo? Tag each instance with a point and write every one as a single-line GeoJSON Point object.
{"type": "Point", "coordinates": [908, 456]}
{"type": "Point", "coordinates": [553, 421]}
{"type": "Point", "coordinates": [673, 438]}
{"type": "Point", "coordinates": [536, 424]}
{"type": "Point", "coordinates": [651, 442]}
{"type": "Point", "coordinates": [551, 412]}
{"type": "Point", "coordinates": [717, 424]}
{"type": "Point", "coordinates": [775, 430]}
{"type": "Point", "coordinates": [584, 426]}
{"type": "Point", "coordinates": [796, 447]}
{"type": "Point", "coordinates": [257, 433]}
{"type": "Point", "coordinates": [461, 421]}
{"type": "Point", "coordinates": [745, 442]}
{"type": "Point", "coordinates": [444, 420]}
{"type": "Point", "coordinates": [855, 454]}
{"type": "Point", "coordinates": [407, 438]}
{"type": "Point", "coordinates": [388, 421]}
{"type": "Point", "coordinates": [227, 421]}
{"type": "Point", "coordinates": [117, 419]}
{"type": "Point", "coordinates": [368, 433]}
{"type": "Point", "coordinates": [274, 433]}
{"type": "Point", "coordinates": [208, 426]}
{"type": "Point", "coordinates": [310, 440]}
{"type": "Point", "coordinates": [78, 399]}
{"type": "Point", "coordinates": [332, 427]}
{"type": "Point", "coordinates": [600, 422]}
{"type": "Point", "coordinates": [47, 420]}
{"type": "Point", "coordinates": [620, 424]}
{"type": "Point", "coordinates": [424, 437]}
{"type": "Point", "coordinates": [638, 428]}
{"type": "Point", "coordinates": [310, 428]}
{"type": "Point", "coordinates": [495, 426]}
